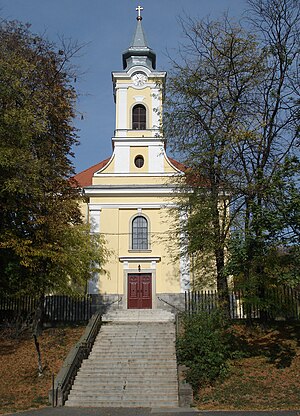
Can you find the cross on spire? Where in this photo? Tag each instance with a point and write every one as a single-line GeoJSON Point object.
{"type": "Point", "coordinates": [139, 9]}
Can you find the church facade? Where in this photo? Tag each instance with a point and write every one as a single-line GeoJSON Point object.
{"type": "Point", "coordinates": [131, 197]}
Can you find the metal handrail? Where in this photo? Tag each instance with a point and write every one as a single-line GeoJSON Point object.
{"type": "Point", "coordinates": [115, 301]}
{"type": "Point", "coordinates": [179, 311]}
{"type": "Point", "coordinates": [63, 382]}
{"type": "Point", "coordinates": [170, 304]}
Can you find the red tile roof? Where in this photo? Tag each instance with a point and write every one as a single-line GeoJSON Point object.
{"type": "Point", "coordinates": [85, 177]}
{"type": "Point", "coordinates": [177, 164]}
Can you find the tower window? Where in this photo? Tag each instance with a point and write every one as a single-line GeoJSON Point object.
{"type": "Point", "coordinates": [139, 233]}
{"type": "Point", "coordinates": [139, 117]}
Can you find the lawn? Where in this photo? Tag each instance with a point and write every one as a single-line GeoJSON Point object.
{"type": "Point", "coordinates": [266, 377]}
{"type": "Point", "coordinates": [20, 386]}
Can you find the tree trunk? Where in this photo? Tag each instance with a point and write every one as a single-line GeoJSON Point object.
{"type": "Point", "coordinates": [37, 347]}
{"type": "Point", "coordinates": [222, 284]}
{"type": "Point", "coordinates": [37, 328]}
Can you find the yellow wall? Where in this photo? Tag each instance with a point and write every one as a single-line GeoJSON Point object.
{"type": "Point", "coordinates": [133, 199]}
{"type": "Point", "coordinates": [131, 180]}
{"type": "Point", "coordinates": [136, 151]}
{"type": "Point", "coordinates": [115, 226]}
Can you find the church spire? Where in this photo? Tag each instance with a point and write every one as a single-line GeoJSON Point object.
{"type": "Point", "coordinates": [139, 52]}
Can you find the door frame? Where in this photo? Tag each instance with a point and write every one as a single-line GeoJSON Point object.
{"type": "Point", "coordinates": [143, 271]}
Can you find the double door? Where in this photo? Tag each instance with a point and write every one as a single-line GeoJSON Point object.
{"type": "Point", "coordinates": [139, 293]}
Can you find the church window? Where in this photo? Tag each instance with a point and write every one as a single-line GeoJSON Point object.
{"type": "Point", "coordinates": [139, 161]}
{"type": "Point", "coordinates": [139, 233]}
{"type": "Point", "coordinates": [139, 117]}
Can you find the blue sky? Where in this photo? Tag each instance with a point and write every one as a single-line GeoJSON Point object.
{"type": "Point", "coordinates": [108, 26]}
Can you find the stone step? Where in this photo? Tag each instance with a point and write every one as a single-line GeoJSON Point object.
{"type": "Point", "coordinates": [102, 389]}
{"type": "Point", "coordinates": [118, 362]}
{"type": "Point", "coordinates": [121, 369]}
{"type": "Point", "coordinates": [115, 363]}
{"type": "Point", "coordinates": [114, 380]}
{"type": "Point", "coordinates": [93, 379]}
{"type": "Point", "coordinates": [151, 355]}
{"type": "Point", "coordinates": [141, 365]}
{"type": "Point", "coordinates": [88, 380]}
{"type": "Point", "coordinates": [139, 334]}
{"type": "Point", "coordinates": [123, 403]}
{"type": "Point", "coordinates": [98, 358]}
{"type": "Point", "coordinates": [167, 373]}
{"type": "Point", "coordinates": [102, 357]}
{"type": "Point", "coordinates": [135, 371]}
{"type": "Point", "coordinates": [137, 356]}
{"type": "Point", "coordinates": [129, 378]}
{"type": "Point", "coordinates": [141, 382]}
{"type": "Point", "coordinates": [123, 395]}
{"type": "Point", "coordinates": [152, 358]}
{"type": "Point", "coordinates": [132, 353]}
{"type": "Point", "coordinates": [133, 388]}
{"type": "Point", "coordinates": [146, 327]}
{"type": "Point", "coordinates": [131, 326]}
{"type": "Point", "coordinates": [133, 341]}
{"type": "Point", "coordinates": [130, 365]}
{"type": "Point", "coordinates": [145, 345]}
{"type": "Point", "coordinates": [138, 383]}
{"type": "Point", "coordinates": [125, 398]}
{"type": "Point", "coordinates": [140, 348]}
{"type": "Point", "coordinates": [125, 378]}
{"type": "Point", "coordinates": [113, 337]}
{"type": "Point", "coordinates": [138, 337]}
{"type": "Point", "coordinates": [139, 316]}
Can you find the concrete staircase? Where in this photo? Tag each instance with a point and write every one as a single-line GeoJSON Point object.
{"type": "Point", "coordinates": [132, 363]}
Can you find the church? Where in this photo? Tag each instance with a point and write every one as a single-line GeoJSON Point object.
{"type": "Point", "coordinates": [131, 197]}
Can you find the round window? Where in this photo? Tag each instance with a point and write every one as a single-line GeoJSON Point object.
{"type": "Point", "coordinates": [139, 161]}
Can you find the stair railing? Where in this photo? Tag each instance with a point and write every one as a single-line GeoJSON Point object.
{"type": "Point", "coordinates": [177, 313]}
{"type": "Point", "coordinates": [64, 380]}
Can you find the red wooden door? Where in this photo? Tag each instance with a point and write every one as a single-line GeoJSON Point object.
{"type": "Point", "coordinates": [140, 291]}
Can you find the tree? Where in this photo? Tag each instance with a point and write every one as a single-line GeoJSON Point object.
{"type": "Point", "coordinates": [269, 157]}
{"type": "Point", "coordinates": [233, 114]}
{"type": "Point", "coordinates": [44, 247]}
{"type": "Point", "coordinates": [207, 100]}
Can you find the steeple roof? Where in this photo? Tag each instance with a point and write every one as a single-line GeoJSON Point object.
{"type": "Point", "coordinates": [139, 52]}
{"type": "Point", "coordinates": [139, 37]}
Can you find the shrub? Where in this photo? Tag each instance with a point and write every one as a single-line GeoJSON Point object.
{"type": "Point", "coordinates": [204, 347]}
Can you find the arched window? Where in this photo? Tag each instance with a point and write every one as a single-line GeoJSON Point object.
{"type": "Point", "coordinates": [139, 233]}
{"type": "Point", "coordinates": [139, 117]}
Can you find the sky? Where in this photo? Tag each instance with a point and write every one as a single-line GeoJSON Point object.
{"type": "Point", "coordinates": [106, 28]}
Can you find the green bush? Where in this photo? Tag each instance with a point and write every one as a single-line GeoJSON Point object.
{"type": "Point", "coordinates": [204, 347]}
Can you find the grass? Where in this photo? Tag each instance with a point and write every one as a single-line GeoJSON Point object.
{"type": "Point", "coordinates": [265, 376]}
{"type": "Point", "coordinates": [20, 386]}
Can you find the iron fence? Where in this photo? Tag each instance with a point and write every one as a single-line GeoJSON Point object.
{"type": "Point", "coordinates": [57, 308]}
{"type": "Point", "coordinates": [276, 303]}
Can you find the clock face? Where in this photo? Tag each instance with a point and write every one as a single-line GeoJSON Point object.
{"type": "Point", "coordinates": [139, 79]}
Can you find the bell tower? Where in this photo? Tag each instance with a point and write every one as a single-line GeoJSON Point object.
{"type": "Point", "coordinates": [138, 93]}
